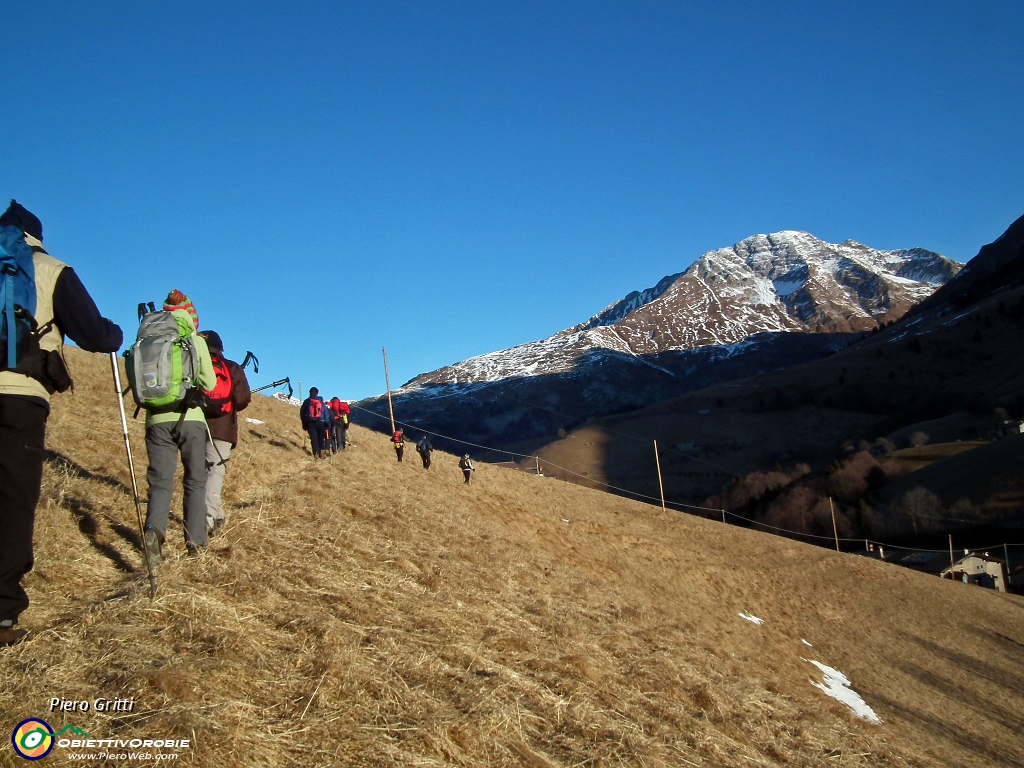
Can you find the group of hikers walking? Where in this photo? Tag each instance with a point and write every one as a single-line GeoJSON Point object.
{"type": "Point", "coordinates": [191, 393]}
{"type": "Point", "coordinates": [326, 423]}
{"type": "Point", "coordinates": [424, 449]}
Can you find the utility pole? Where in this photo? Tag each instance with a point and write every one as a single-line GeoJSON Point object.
{"type": "Point", "coordinates": [1006, 581]}
{"type": "Point", "coordinates": [387, 381]}
{"type": "Point", "coordinates": [951, 555]}
{"type": "Point", "coordinates": [538, 463]}
{"type": "Point", "coordinates": [657, 463]}
{"type": "Point", "coordinates": [835, 531]}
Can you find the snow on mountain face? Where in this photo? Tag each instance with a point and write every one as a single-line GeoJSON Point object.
{"type": "Point", "coordinates": [787, 281]}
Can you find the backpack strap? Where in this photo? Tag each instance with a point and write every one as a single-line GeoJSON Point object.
{"type": "Point", "coordinates": [193, 398]}
{"type": "Point", "coordinates": [12, 330]}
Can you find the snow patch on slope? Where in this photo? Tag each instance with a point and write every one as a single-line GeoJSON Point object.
{"type": "Point", "coordinates": [837, 685]}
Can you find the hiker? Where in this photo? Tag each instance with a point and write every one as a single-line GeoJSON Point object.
{"type": "Point", "coordinates": [179, 430]}
{"type": "Point", "coordinates": [50, 292]}
{"type": "Point", "coordinates": [466, 465]}
{"type": "Point", "coordinates": [423, 448]}
{"type": "Point", "coordinates": [231, 395]}
{"type": "Point", "coordinates": [327, 416]}
{"type": "Point", "coordinates": [341, 418]}
{"type": "Point", "coordinates": [399, 440]}
{"type": "Point", "coordinates": [312, 414]}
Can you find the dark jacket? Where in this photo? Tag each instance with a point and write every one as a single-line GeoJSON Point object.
{"type": "Point", "coordinates": [226, 427]}
{"type": "Point", "coordinates": [79, 320]}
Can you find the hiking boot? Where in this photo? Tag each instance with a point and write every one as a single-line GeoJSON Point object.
{"type": "Point", "coordinates": [152, 542]}
{"type": "Point", "coordinates": [11, 636]}
{"type": "Point", "coordinates": [194, 551]}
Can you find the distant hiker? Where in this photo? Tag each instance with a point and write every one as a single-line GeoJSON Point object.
{"type": "Point", "coordinates": [399, 440]}
{"type": "Point", "coordinates": [228, 397]}
{"type": "Point", "coordinates": [312, 414]}
{"type": "Point", "coordinates": [466, 465]}
{"type": "Point", "coordinates": [329, 421]}
{"type": "Point", "coordinates": [341, 420]}
{"type": "Point", "coordinates": [47, 293]}
{"type": "Point", "coordinates": [177, 427]}
{"type": "Point", "coordinates": [424, 448]}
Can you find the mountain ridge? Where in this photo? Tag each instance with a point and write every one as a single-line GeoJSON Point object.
{"type": "Point", "coordinates": [769, 301]}
{"type": "Point", "coordinates": [786, 281]}
{"type": "Point", "coordinates": [949, 369]}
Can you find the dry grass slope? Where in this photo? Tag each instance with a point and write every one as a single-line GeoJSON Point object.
{"type": "Point", "coordinates": [362, 612]}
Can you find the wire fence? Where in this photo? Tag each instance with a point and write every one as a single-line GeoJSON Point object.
{"type": "Point", "coordinates": [852, 543]}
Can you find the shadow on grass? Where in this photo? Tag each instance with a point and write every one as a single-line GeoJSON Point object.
{"type": "Point", "coordinates": [940, 730]}
{"type": "Point", "coordinates": [947, 687]}
{"type": "Point", "coordinates": [85, 516]}
{"type": "Point", "coordinates": [60, 461]}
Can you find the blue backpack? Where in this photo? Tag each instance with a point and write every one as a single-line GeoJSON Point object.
{"type": "Point", "coordinates": [17, 299]}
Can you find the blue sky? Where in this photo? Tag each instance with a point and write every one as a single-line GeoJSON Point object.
{"type": "Point", "coordinates": [449, 179]}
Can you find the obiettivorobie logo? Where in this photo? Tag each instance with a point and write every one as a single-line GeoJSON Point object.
{"type": "Point", "coordinates": [34, 738]}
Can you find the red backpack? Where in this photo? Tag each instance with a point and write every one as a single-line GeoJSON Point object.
{"type": "Point", "coordinates": [218, 399]}
{"type": "Point", "coordinates": [315, 408]}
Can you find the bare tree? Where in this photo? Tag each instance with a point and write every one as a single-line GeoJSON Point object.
{"type": "Point", "coordinates": [922, 506]}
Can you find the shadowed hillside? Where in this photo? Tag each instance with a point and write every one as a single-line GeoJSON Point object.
{"type": "Point", "coordinates": [363, 612]}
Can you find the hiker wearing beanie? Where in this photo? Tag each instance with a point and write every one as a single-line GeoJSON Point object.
{"type": "Point", "coordinates": [311, 412]}
{"type": "Point", "coordinates": [179, 432]}
{"type": "Point", "coordinates": [50, 292]}
{"type": "Point", "coordinates": [231, 395]}
{"type": "Point", "coordinates": [399, 440]}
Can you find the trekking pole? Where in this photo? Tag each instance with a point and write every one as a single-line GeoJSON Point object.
{"type": "Point", "coordinates": [131, 469]}
{"type": "Point", "coordinates": [216, 450]}
{"type": "Point", "coordinates": [275, 384]}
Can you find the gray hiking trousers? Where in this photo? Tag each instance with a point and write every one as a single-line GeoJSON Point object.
{"type": "Point", "coordinates": [215, 479]}
{"type": "Point", "coordinates": [163, 450]}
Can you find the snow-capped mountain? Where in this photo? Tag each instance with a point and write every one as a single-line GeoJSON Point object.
{"type": "Point", "coordinates": [788, 281]}
{"type": "Point", "coordinates": [769, 301]}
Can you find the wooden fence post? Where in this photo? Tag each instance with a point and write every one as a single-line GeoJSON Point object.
{"type": "Point", "coordinates": [657, 463]}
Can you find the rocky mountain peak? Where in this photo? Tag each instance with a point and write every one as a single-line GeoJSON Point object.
{"type": "Point", "coordinates": [781, 282]}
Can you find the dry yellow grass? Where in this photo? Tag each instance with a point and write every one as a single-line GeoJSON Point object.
{"type": "Point", "coordinates": [363, 612]}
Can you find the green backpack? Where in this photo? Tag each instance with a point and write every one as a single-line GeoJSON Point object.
{"type": "Point", "coordinates": [163, 363]}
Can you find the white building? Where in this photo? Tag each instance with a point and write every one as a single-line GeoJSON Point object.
{"type": "Point", "coordinates": [983, 570]}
